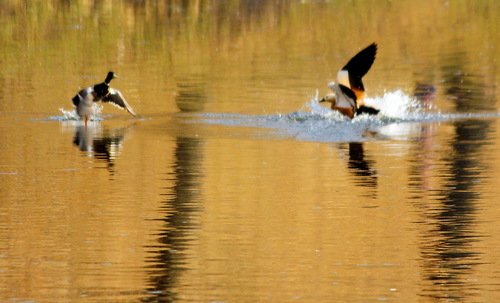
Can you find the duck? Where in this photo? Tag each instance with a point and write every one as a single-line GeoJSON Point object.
{"type": "Point", "coordinates": [84, 100]}
{"type": "Point", "coordinates": [348, 91]}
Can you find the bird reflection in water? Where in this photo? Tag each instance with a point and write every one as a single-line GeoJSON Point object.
{"type": "Point", "coordinates": [101, 144]}
{"type": "Point", "coordinates": [362, 168]}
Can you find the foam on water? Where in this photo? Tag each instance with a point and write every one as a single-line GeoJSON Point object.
{"type": "Point", "coordinates": [71, 115]}
{"type": "Point", "coordinates": [68, 115]}
{"type": "Point", "coordinates": [395, 104]}
{"type": "Point", "coordinates": [399, 114]}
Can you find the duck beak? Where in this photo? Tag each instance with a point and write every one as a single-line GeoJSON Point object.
{"type": "Point", "coordinates": [322, 100]}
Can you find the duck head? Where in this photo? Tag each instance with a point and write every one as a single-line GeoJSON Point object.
{"type": "Point", "coordinates": [330, 98]}
{"type": "Point", "coordinates": [111, 75]}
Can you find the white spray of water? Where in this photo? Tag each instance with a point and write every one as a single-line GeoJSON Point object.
{"type": "Point", "coordinates": [395, 104]}
{"type": "Point", "coordinates": [68, 115]}
{"type": "Point", "coordinates": [71, 115]}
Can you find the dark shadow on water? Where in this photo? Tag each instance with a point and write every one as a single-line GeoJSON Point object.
{"type": "Point", "coordinates": [447, 251]}
{"type": "Point", "coordinates": [191, 95]}
{"type": "Point", "coordinates": [449, 209]}
{"type": "Point", "coordinates": [182, 203]}
{"type": "Point", "coordinates": [464, 89]}
{"type": "Point", "coordinates": [362, 168]}
{"type": "Point", "coordinates": [425, 93]}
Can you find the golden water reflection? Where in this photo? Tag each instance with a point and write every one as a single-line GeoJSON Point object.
{"type": "Point", "coordinates": [448, 245]}
{"type": "Point", "coordinates": [186, 211]}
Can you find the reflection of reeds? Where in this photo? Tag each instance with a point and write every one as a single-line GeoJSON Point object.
{"type": "Point", "coordinates": [227, 20]}
{"type": "Point", "coordinates": [214, 17]}
{"type": "Point", "coordinates": [98, 28]}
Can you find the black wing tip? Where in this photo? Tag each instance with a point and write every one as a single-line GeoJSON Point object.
{"type": "Point", "coordinates": [361, 63]}
{"type": "Point", "coordinates": [363, 109]}
{"type": "Point", "coordinates": [374, 47]}
{"type": "Point", "coordinates": [371, 49]}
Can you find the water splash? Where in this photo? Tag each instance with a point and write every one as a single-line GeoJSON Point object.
{"type": "Point", "coordinates": [71, 115]}
{"type": "Point", "coordinates": [399, 118]}
{"type": "Point", "coordinates": [395, 104]}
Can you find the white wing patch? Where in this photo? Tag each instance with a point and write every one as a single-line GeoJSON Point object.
{"type": "Point", "coordinates": [343, 78]}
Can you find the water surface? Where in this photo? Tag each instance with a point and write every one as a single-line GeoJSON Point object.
{"type": "Point", "coordinates": [234, 184]}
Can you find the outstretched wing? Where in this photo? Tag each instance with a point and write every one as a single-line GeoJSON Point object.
{"type": "Point", "coordinates": [116, 98]}
{"type": "Point", "coordinates": [356, 68]}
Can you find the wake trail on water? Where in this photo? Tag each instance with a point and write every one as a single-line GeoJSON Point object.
{"type": "Point", "coordinates": [400, 117]}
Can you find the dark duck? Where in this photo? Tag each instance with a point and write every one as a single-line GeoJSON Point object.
{"type": "Point", "coordinates": [85, 99]}
{"type": "Point", "coordinates": [348, 92]}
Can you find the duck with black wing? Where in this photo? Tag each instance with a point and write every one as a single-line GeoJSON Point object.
{"type": "Point", "coordinates": [84, 100]}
